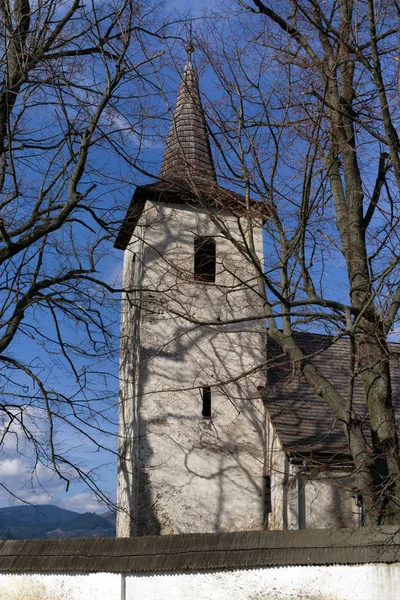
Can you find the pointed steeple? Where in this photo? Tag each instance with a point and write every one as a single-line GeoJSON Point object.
{"type": "Point", "coordinates": [187, 155]}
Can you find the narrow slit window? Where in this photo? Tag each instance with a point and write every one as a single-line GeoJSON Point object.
{"type": "Point", "coordinates": [206, 396]}
{"type": "Point", "coordinates": [267, 495]}
{"type": "Point", "coordinates": [301, 502]}
{"type": "Point", "coordinates": [204, 259]}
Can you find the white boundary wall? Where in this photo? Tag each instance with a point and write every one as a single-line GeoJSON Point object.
{"type": "Point", "coordinates": [366, 582]}
{"type": "Point", "coordinates": [93, 586]}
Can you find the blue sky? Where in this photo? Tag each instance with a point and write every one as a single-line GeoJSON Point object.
{"type": "Point", "coordinates": [194, 7]}
{"type": "Point", "coordinates": [38, 484]}
{"type": "Point", "coordinates": [16, 468]}
{"type": "Point", "coordinates": [19, 474]}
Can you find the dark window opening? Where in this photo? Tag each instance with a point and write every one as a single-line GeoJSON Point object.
{"type": "Point", "coordinates": [267, 499]}
{"type": "Point", "coordinates": [358, 500]}
{"type": "Point", "coordinates": [204, 259]}
{"type": "Point", "coordinates": [300, 502]}
{"type": "Point", "coordinates": [206, 395]}
{"type": "Point", "coordinates": [267, 494]}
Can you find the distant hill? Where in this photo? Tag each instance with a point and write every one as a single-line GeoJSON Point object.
{"type": "Point", "coordinates": [48, 521]}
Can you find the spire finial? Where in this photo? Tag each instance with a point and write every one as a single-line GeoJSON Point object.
{"type": "Point", "coordinates": [190, 47]}
{"type": "Point", "coordinates": [187, 155]}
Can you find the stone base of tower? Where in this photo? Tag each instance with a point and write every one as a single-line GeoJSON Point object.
{"type": "Point", "coordinates": [193, 474]}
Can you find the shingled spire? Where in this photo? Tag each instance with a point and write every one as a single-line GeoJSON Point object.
{"type": "Point", "coordinates": [187, 156]}
{"type": "Point", "coordinates": [187, 173]}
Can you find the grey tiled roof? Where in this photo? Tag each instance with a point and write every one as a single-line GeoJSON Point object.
{"type": "Point", "coordinates": [187, 155]}
{"type": "Point", "coordinates": [203, 551]}
{"type": "Point", "coordinates": [302, 420]}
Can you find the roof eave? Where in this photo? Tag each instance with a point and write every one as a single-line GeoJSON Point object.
{"type": "Point", "coordinates": [314, 458]}
{"type": "Point", "coordinates": [131, 219]}
{"type": "Point", "coordinates": [175, 193]}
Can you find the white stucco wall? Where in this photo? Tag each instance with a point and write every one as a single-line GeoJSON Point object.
{"type": "Point", "coordinates": [93, 586]}
{"type": "Point", "coordinates": [326, 493]}
{"type": "Point", "coordinates": [363, 582]}
{"type": "Point", "coordinates": [184, 473]}
{"type": "Point", "coordinates": [367, 582]}
{"type": "Point", "coordinates": [178, 472]}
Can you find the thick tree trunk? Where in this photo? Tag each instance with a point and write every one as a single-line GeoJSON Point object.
{"type": "Point", "coordinates": [375, 372]}
{"type": "Point", "coordinates": [331, 37]}
{"type": "Point", "coordinates": [371, 346]}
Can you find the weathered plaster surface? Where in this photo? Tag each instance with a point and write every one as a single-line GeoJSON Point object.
{"type": "Point", "coordinates": [96, 586]}
{"type": "Point", "coordinates": [327, 493]}
{"type": "Point", "coordinates": [366, 582]}
{"type": "Point", "coordinates": [329, 501]}
{"type": "Point", "coordinates": [363, 582]}
{"type": "Point", "coordinates": [182, 472]}
{"type": "Point", "coordinates": [179, 472]}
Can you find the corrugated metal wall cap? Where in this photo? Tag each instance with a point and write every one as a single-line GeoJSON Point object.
{"type": "Point", "coordinates": [196, 552]}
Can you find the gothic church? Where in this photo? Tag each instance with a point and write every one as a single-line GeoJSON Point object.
{"type": "Point", "coordinates": [205, 445]}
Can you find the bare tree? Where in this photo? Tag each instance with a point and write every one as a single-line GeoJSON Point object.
{"type": "Point", "coordinates": [307, 123]}
{"type": "Point", "coordinates": [72, 96]}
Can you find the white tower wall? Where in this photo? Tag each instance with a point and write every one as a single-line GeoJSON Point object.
{"type": "Point", "coordinates": [180, 472]}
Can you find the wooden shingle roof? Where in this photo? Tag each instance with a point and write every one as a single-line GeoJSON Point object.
{"type": "Point", "coordinates": [187, 175]}
{"type": "Point", "coordinates": [187, 156]}
{"type": "Point", "coordinates": [303, 421]}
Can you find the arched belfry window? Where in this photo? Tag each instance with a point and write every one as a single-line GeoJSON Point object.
{"type": "Point", "coordinates": [204, 259]}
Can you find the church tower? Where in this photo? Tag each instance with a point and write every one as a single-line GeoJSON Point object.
{"type": "Point", "coordinates": [192, 424]}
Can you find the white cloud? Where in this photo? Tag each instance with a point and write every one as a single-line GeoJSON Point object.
{"type": "Point", "coordinates": [113, 272]}
{"type": "Point", "coordinates": [26, 418]}
{"type": "Point", "coordinates": [83, 502]}
{"type": "Point", "coordinates": [11, 467]}
{"type": "Point", "coordinates": [54, 493]}
{"type": "Point", "coordinates": [22, 478]}
{"type": "Point", "coordinates": [42, 498]}
{"type": "Point", "coordinates": [129, 131]}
